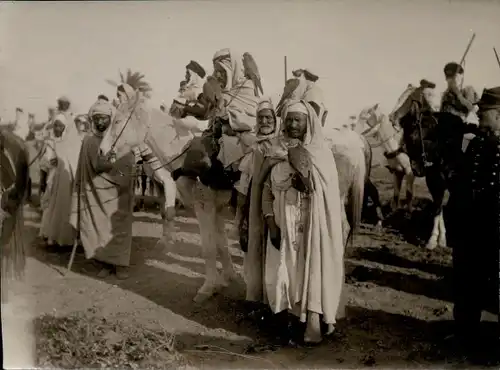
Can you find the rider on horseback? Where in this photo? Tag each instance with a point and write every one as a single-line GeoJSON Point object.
{"type": "Point", "coordinates": [418, 103]}
{"type": "Point", "coordinates": [420, 100]}
{"type": "Point", "coordinates": [229, 101]}
{"type": "Point", "coordinates": [191, 91]}
{"type": "Point", "coordinates": [457, 100]}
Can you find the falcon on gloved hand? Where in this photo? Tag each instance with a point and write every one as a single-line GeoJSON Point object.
{"type": "Point", "coordinates": [301, 162]}
{"type": "Point", "coordinates": [212, 92]}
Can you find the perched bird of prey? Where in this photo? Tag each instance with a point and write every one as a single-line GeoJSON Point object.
{"type": "Point", "coordinates": [290, 87]}
{"type": "Point", "coordinates": [300, 160]}
{"type": "Point", "coordinates": [212, 91]}
{"type": "Point", "coordinates": [252, 72]}
{"type": "Point", "coordinates": [308, 75]}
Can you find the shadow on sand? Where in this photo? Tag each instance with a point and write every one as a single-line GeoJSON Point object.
{"type": "Point", "coordinates": [171, 276]}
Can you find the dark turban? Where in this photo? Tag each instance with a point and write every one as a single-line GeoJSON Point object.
{"type": "Point", "coordinates": [196, 68]}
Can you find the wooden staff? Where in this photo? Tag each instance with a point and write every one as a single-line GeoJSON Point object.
{"type": "Point", "coordinates": [78, 225]}
{"type": "Point", "coordinates": [286, 68]}
{"type": "Point", "coordinates": [496, 54]}
{"type": "Point", "coordinates": [462, 61]}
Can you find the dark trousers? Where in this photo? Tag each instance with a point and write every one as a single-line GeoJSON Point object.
{"type": "Point", "coordinates": [29, 189]}
{"type": "Point", "coordinates": [475, 284]}
{"type": "Point", "coordinates": [43, 181]}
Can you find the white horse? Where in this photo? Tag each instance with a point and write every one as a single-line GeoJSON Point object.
{"type": "Point", "coordinates": [125, 136]}
{"type": "Point", "coordinates": [132, 133]}
{"type": "Point", "coordinates": [161, 148]}
{"type": "Point", "coordinates": [374, 123]}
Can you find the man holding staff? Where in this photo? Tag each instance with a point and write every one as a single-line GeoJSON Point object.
{"type": "Point", "coordinates": [457, 100]}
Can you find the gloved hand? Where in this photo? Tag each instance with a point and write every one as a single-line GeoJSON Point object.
{"type": "Point", "coordinates": [274, 232]}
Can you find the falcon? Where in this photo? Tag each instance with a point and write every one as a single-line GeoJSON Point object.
{"type": "Point", "coordinates": [252, 72]}
{"type": "Point", "coordinates": [212, 91]}
{"type": "Point", "coordinates": [290, 86]}
{"type": "Point", "coordinates": [300, 161]}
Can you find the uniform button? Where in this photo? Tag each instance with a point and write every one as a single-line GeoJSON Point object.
{"type": "Point", "coordinates": [494, 173]}
{"type": "Point", "coordinates": [492, 183]}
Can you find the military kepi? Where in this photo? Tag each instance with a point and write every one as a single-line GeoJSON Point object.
{"type": "Point", "coordinates": [196, 68]}
{"type": "Point", "coordinates": [452, 68]}
{"type": "Point", "coordinates": [490, 99]}
{"type": "Point", "coordinates": [426, 84]}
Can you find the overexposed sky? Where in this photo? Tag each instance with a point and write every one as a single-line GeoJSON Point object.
{"type": "Point", "coordinates": [365, 51]}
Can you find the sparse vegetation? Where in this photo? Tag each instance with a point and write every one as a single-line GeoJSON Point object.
{"type": "Point", "coordinates": [136, 80]}
{"type": "Point", "coordinates": [83, 340]}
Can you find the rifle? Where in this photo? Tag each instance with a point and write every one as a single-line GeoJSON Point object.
{"type": "Point", "coordinates": [496, 54]}
{"type": "Point", "coordinates": [286, 68]}
{"type": "Point", "coordinates": [462, 61]}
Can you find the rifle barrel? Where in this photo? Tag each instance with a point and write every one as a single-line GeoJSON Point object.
{"type": "Point", "coordinates": [467, 50]}
{"type": "Point", "coordinates": [496, 54]}
{"type": "Point", "coordinates": [286, 70]}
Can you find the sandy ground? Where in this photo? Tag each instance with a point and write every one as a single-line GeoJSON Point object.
{"type": "Point", "coordinates": [399, 302]}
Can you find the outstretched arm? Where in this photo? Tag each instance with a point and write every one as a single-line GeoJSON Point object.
{"type": "Point", "coordinates": [200, 110]}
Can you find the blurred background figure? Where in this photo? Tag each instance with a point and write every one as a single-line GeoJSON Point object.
{"type": "Point", "coordinates": [82, 124]}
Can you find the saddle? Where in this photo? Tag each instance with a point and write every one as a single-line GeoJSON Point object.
{"type": "Point", "coordinates": [201, 161]}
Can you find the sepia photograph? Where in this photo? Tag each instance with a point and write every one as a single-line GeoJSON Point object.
{"type": "Point", "coordinates": [280, 184]}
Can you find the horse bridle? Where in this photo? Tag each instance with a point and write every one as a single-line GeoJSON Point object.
{"type": "Point", "coordinates": [427, 164]}
{"type": "Point", "coordinates": [123, 128]}
{"type": "Point", "coordinates": [378, 125]}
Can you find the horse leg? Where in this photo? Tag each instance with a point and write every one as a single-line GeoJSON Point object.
{"type": "Point", "coordinates": [396, 199]}
{"type": "Point", "coordinates": [410, 182]}
{"type": "Point", "coordinates": [166, 191]}
{"type": "Point", "coordinates": [29, 190]}
{"type": "Point", "coordinates": [144, 180]}
{"type": "Point", "coordinates": [204, 206]}
{"type": "Point", "coordinates": [240, 203]}
{"type": "Point", "coordinates": [372, 193]}
{"type": "Point", "coordinates": [43, 183]}
{"type": "Point", "coordinates": [437, 187]}
{"type": "Point", "coordinates": [442, 232]}
{"type": "Point", "coordinates": [229, 274]}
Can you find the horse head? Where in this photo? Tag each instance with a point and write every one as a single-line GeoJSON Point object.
{"type": "Point", "coordinates": [127, 130]}
{"type": "Point", "coordinates": [368, 122]}
{"type": "Point", "coordinates": [430, 138]}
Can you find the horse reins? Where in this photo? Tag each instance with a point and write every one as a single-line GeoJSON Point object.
{"type": "Point", "coordinates": [123, 128]}
{"type": "Point", "coordinates": [424, 154]}
{"type": "Point", "coordinates": [378, 129]}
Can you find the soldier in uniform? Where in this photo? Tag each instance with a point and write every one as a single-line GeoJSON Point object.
{"type": "Point", "coordinates": [474, 230]}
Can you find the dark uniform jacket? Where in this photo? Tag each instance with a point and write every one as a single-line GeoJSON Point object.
{"type": "Point", "coordinates": [474, 213]}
